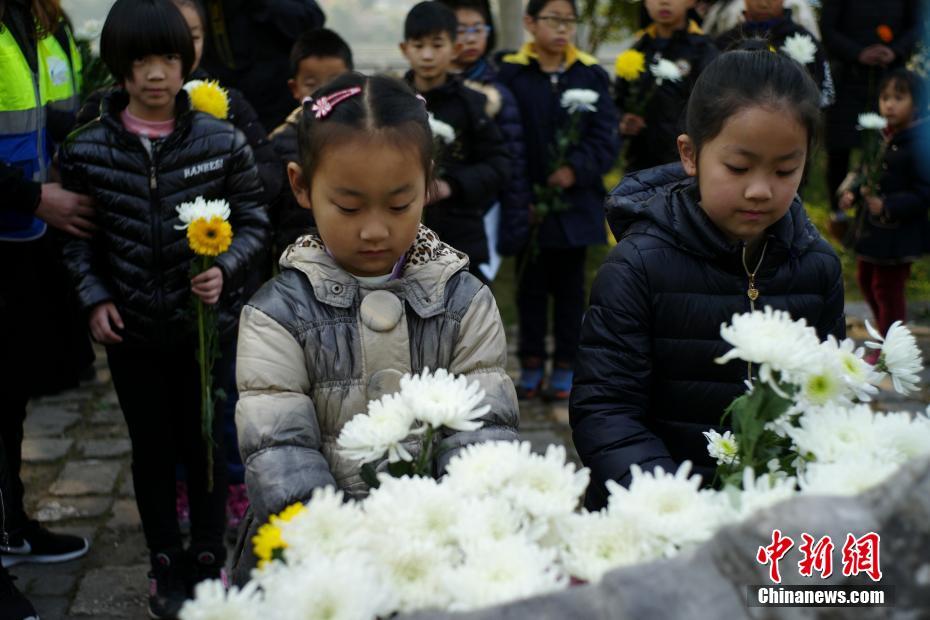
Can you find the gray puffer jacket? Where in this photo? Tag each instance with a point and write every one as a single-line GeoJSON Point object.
{"type": "Point", "coordinates": [315, 345]}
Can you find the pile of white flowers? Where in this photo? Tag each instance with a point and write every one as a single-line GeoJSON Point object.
{"type": "Point", "coordinates": [504, 523]}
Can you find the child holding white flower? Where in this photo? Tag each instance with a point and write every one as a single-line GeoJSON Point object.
{"type": "Point", "coordinates": [719, 234]}
{"type": "Point", "coordinates": [555, 85]}
{"type": "Point", "coordinates": [670, 42]}
{"type": "Point", "coordinates": [146, 154]}
{"type": "Point", "coordinates": [373, 296]}
{"type": "Point", "coordinates": [771, 21]}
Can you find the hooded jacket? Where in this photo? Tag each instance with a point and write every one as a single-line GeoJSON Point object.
{"type": "Point", "coordinates": [646, 385]}
{"type": "Point", "coordinates": [138, 259]}
{"type": "Point", "coordinates": [315, 345]}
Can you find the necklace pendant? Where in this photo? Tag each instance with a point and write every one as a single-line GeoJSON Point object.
{"type": "Point", "coordinates": [752, 293]}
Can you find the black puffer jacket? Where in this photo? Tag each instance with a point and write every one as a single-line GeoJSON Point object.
{"type": "Point", "coordinates": [646, 385]}
{"type": "Point", "coordinates": [138, 260]}
{"type": "Point", "coordinates": [288, 218]}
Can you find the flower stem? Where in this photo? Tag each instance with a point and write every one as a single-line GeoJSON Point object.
{"type": "Point", "coordinates": [206, 410]}
{"type": "Point", "coordinates": [426, 453]}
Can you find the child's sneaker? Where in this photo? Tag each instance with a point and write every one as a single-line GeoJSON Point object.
{"type": "Point", "coordinates": [183, 506]}
{"type": "Point", "coordinates": [531, 378]}
{"type": "Point", "coordinates": [560, 384]}
{"type": "Point", "coordinates": [167, 584]}
{"type": "Point", "coordinates": [237, 502]}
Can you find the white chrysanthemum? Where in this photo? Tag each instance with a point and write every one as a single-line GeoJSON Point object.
{"type": "Point", "coordinates": [583, 99]}
{"type": "Point", "coordinates": [773, 340]}
{"type": "Point", "coordinates": [345, 587]}
{"type": "Point", "coordinates": [668, 507]}
{"type": "Point", "coordinates": [368, 436]}
{"type": "Point", "coordinates": [414, 508]}
{"type": "Point", "coordinates": [900, 357]}
{"type": "Point", "coordinates": [201, 209]}
{"type": "Point", "coordinates": [859, 375]}
{"type": "Point", "coordinates": [441, 399]}
{"type": "Point", "coordinates": [213, 602]}
{"type": "Point", "coordinates": [499, 571]}
{"type": "Point", "coordinates": [483, 468]}
{"type": "Point", "coordinates": [415, 570]}
{"type": "Point", "coordinates": [664, 69]}
{"type": "Point", "coordinates": [724, 447]}
{"type": "Point", "coordinates": [847, 477]}
{"type": "Point", "coordinates": [493, 518]}
{"type": "Point", "coordinates": [328, 525]}
{"type": "Point", "coordinates": [546, 486]}
{"type": "Point", "coordinates": [834, 433]}
{"type": "Point", "coordinates": [871, 120]}
{"type": "Point", "coordinates": [597, 542]}
{"type": "Point", "coordinates": [904, 434]}
{"type": "Point", "coordinates": [800, 48]}
{"type": "Point", "coordinates": [822, 382]}
{"type": "Point", "coordinates": [761, 492]}
{"type": "Point", "coordinates": [90, 30]}
{"type": "Point", "coordinates": [442, 130]}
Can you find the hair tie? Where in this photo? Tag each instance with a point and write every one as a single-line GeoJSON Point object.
{"type": "Point", "coordinates": [323, 106]}
{"type": "Point", "coordinates": [421, 98]}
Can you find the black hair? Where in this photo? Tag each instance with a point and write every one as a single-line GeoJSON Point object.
{"type": "Point", "coordinates": [479, 6]}
{"type": "Point", "coordinates": [904, 81]}
{"type": "Point", "coordinates": [386, 106]}
{"type": "Point", "coordinates": [135, 29]}
{"type": "Point", "coordinates": [322, 43]}
{"type": "Point", "coordinates": [428, 19]}
{"type": "Point", "coordinates": [201, 12]}
{"type": "Point", "coordinates": [744, 78]}
{"type": "Point", "coordinates": [535, 7]}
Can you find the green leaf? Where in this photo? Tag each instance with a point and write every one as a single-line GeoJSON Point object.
{"type": "Point", "coordinates": [401, 469]}
{"type": "Point", "coordinates": [369, 476]}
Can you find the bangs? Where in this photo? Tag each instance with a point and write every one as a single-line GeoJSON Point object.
{"type": "Point", "coordinates": [135, 29]}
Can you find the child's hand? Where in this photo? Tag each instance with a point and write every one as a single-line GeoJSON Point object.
{"type": "Point", "coordinates": [632, 124]}
{"type": "Point", "coordinates": [101, 318]}
{"type": "Point", "coordinates": [440, 191]}
{"type": "Point", "coordinates": [564, 177]}
{"type": "Point", "coordinates": [875, 204]}
{"type": "Point", "coordinates": [846, 201]}
{"type": "Point", "coordinates": [208, 285]}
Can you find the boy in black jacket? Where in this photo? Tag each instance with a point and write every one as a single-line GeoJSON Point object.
{"type": "Point", "coordinates": [473, 163]}
{"type": "Point", "coordinates": [770, 20]}
{"type": "Point", "coordinates": [317, 58]}
{"type": "Point", "coordinates": [670, 37]}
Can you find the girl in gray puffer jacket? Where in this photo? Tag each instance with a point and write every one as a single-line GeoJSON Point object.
{"type": "Point", "coordinates": [374, 296]}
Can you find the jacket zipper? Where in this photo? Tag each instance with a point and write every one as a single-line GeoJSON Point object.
{"type": "Point", "coordinates": [156, 225]}
{"type": "Point", "coordinates": [751, 291]}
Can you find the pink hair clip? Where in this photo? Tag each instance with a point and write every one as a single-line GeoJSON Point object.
{"type": "Point", "coordinates": [323, 106]}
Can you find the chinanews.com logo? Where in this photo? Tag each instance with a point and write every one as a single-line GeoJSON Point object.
{"type": "Point", "coordinates": [858, 556]}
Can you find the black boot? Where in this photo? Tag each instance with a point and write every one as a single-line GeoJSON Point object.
{"type": "Point", "coordinates": [168, 583]}
{"type": "Point", "coordinates": [207, 562]}
{"type": "Point", "coordinates": [13, 604]}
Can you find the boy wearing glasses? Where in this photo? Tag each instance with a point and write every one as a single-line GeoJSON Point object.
{"type": "Point", "coordinates": [538, 75]}
{"type": "Point", "coordinates": [651, 110]}
{"type": "Point", "coordinates": [475, 41]}
{"type": "Point", "coordinates": [472, 164]}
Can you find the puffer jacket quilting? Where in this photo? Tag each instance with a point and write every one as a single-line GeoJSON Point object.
{"type": "Point", "coordinates": [315, 346]}
{"type": "Point", "coordinates": [646, 385]}
{"type": "Point", "coordinates": [138, 259]}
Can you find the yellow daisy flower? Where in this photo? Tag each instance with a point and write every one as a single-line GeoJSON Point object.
{"type": "Point", "coordinates": [266, 542]}
{"type": "Point", "coordinates": [209, 237]}
{"type": "Point", "coordinates": [208, 96]}
{"type": "Point", "coordinates": [630, 65]}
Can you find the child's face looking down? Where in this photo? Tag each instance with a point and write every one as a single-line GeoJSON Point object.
{"type": "Point", "coordinates": [367, 196]}
{"type": "Point", "coordinates": [750, 172]}
{"type": "Point", "coordinates": [896, 105]}
{"type": "Point", "coordinates": [155, 82]}
{"type": "Point", "coordinates": [762, 10]}
{"type": "Point", "coordinates": [670, 13]}
{"type": "Point", "coordinates": [430, 57]}
{"type": "Point", "coordinates": [554, 28]}
{"type": "Point", "coordinates": [314, 72]}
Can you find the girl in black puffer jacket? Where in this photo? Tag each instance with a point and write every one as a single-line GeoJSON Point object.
{"type": "Point", "coordinates": [691, 254]}
{"type": "Point", "coordinates": [147, 153]}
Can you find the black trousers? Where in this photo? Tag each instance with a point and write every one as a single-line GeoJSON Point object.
{"type": "Point", "coordinates": [159, 393]}
{"type": "Point", "coordinates": [557, 274]}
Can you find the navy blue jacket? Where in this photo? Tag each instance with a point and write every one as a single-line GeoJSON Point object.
{"type": "Point", "coordinates": [538, 97]}
{"type": "Point", "coordinates": [691, 50]}
{"type": "Point", "coordinates": [646, 385]}
{"type": "Point", "coordinates": [899, 233]}
{"type": "Point", "coordinates": [517, 195]}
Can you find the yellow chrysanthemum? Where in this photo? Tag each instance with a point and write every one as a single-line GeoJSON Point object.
{"type": "Point", "coordinates": [208, 96]}
{"type": "Point", "coordinates": [266, 542]}
{"type": "Point", "coordinates": [630, 65]}
{"type": "Point", "coordinates": [288, 513]}
{"type": "Point", "coordinates": [209, 237]}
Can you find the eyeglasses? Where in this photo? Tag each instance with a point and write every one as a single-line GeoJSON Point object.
{"type": "Point", "coordinates": [480, 30]}
{"type": "Point", "coordinates": [556, 22]}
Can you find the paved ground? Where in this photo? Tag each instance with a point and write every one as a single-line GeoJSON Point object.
{"type": "Point", "coordinates": [78, 480]}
